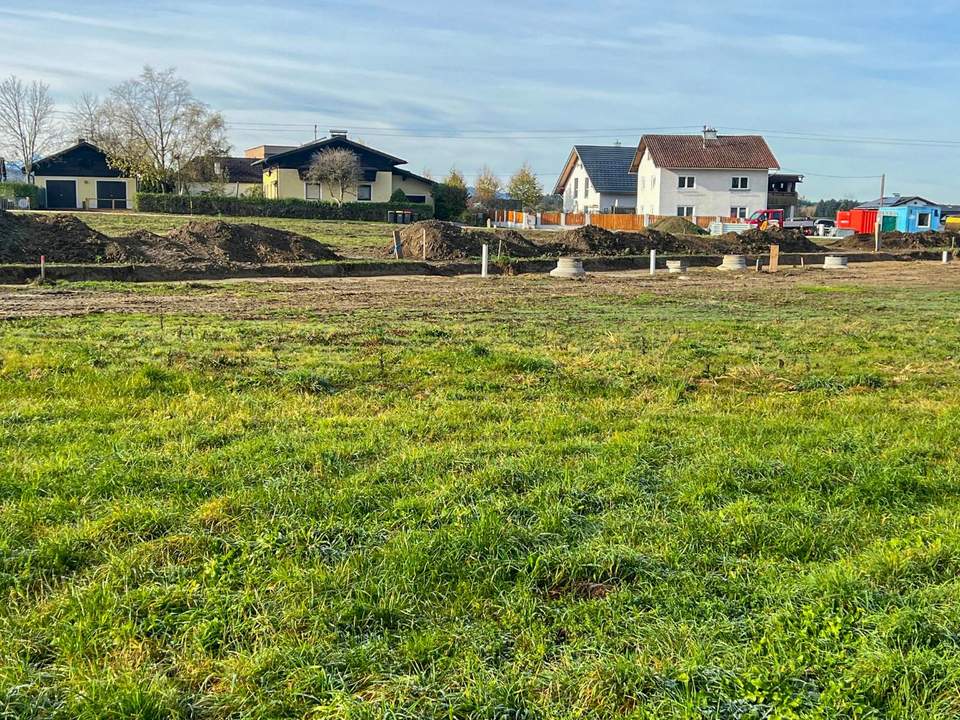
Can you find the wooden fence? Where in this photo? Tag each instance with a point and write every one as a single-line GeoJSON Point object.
{"type": "Point", "coordinates": [618, 221]}
{"type": "Point", "coordinates": [608, 221]}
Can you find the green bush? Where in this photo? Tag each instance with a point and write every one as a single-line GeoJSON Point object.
{"type": "Point", "coordinates": [449, 201]}
{"type": "Point", "coordinates": [13, 190]}
{"type": "Point", "coordinates": [399, 196]}
{"type": "Point", "coordinates": [260, 207]}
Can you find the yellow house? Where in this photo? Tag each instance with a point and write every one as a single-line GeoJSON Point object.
{"type": "Point", "coordinates": [284, 175]}
{"type": "Point", "coordinates": [81, 178]}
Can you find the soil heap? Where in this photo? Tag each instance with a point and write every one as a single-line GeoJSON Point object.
{"type": "Point", "coordinates": [678, 226]}
{"type": "Point", "coordinates": [67, 239]}
{"type": "Point", "coordinates": [449, 241]}
{"type": "Point", "coordinates": [900, 241]}
{"type": "Point", "coordinates": [61, 238]}
{"type": "Point", "coordinates": [756, 241]}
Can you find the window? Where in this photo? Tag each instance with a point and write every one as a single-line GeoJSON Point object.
{"type": "Point", "coordinates": [923, 220]}
{"type": "Point", "coordinates": [312, 191]}
{"type": "Point", "coordinates": [738, 212]}
{"type": "Point", "coordinates": [740, 183]}
{"type": "Point", "coordinates": [653, 182]}
{"type": "Point", "coordinates": [686, 182]}
{"type": "Point", "coordinates": [586, 187]}
{"type": "Point", "coordinates": [576, 187]}
{"type": "Point", "coordinates": [364, 192]}
{"type": "Point", "coordinates": [685, 210]}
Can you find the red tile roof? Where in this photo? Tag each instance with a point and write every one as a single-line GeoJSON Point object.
{"type": "Point", "coordinates": [726, 152]}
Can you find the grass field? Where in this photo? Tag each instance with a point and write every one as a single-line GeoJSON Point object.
{"type": "Point", "coordinates": [725, 498]}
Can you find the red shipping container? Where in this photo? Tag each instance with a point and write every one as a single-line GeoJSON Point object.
{"type": "Point", "coordinates": [860, 221]}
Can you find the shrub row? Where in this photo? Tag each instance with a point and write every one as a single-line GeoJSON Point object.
{"type": "Point", "coordinates": [12, 190]}
{"type": "Point", "coordinates": [261, 207]}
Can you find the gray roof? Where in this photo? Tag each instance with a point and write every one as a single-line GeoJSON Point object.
{"type": "Point", "coordinates": [609, 167]}
{"type": "Point", "coordinates": [895, 201]}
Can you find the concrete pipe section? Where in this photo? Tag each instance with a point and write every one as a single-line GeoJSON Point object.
{"type": "Point", "coordinates": [677, 266]}
{"type": "Point", "coordinates": [734, 263]}
{"type": "Point", "coordinates": [834, 262]}
{"type": "Point", "coordinates": [569, 268]}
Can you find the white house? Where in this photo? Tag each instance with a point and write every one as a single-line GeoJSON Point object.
{"type": "Point", "coordinates": [702, 175]}
{"type": "Point", "coordinates": [597, 178]}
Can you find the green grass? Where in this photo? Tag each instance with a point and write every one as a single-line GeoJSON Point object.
{"type": "Point", "coordinates": [349, 238]}
{"type": "Point", "coordinates": [686, 506]}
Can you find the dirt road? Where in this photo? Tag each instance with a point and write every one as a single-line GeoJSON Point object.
{"type": "Point", "coordinates": [458, 295]}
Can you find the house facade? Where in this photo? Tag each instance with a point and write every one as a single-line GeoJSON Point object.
{"type": "Point", "coordinates": [596, 178]}
{"type": "Point", "coordinates": [702, 175]}
{"type": "Point", "coordinates": [284, 175]}
{"type": "Point", "coordinates": [80, 177]}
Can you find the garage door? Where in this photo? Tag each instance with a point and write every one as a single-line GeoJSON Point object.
{"type": "Point", "coordinates": [111, 194]}
{"type": "Point", "coordinates": [61, 194]}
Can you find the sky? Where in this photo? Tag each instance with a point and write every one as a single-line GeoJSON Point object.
{"type": "Point", "coordinates": [842, 91]}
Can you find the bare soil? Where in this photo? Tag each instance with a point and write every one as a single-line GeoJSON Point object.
{"type": "Point", "coordinates": [67, 239]}
{"type": "Point", "coordinates": [678, 226]}
{"type": "Point", "coordinates": [449, 241]}
{"type": "Point", "coordinates": [463, 297]}
{"type": "Point", "coordinates": [900, 241]}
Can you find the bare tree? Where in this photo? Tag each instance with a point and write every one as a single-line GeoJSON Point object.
{"type": "Point", "coordinates": [337, 168]}
{"type": "Point", "coordinates": [86, 117]}
{"type": "Point", "coordinates": [152, 126]}
{"type": "Point", "coordinates": [27, 126]}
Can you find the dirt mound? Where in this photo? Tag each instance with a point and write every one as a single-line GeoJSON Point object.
{"type": "Point", "coordinates": [224, 243]}
{"type": "Point", "coordinates": [449, 241]}
{"type": "Point", "coordinates": [900, 241]}
{"type": "Point", "coordinates": [67, 239]}
{"type": "Point", "coordinates": [597, 241]}
{"type": "Point", "coordinates": [61, 238]}
{"type": "Point", "coordinates": [678, 226]}
{"type": "Point", "coordinates": [759, 241]}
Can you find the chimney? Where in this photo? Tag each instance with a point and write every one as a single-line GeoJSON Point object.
{"type": "Point", "coordinates": [709, 134]}
{"type": "Point", "coordinates": [338, 133]}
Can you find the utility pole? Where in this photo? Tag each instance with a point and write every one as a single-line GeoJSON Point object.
{"type": "Point", "coordinates": [876, 237]}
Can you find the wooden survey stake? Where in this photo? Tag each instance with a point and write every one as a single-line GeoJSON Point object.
{"type": "Point", "coordinates": [397, 245]}
{"type": "Point", "coordinates": [774, 258]}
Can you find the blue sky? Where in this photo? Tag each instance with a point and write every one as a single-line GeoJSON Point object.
{"type": "Point", "coordinates": [449, 83]}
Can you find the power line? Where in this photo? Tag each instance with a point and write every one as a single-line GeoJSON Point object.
{"type": "Point", "coordinates": [833, 177]}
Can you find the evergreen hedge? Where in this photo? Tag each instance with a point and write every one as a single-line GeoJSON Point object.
{"type": "Point", "coordinates": [14, 190]}
{"type": "Point", "coordinates": [261, 207]}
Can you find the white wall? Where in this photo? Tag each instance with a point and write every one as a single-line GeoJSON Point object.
{"type": "Point", "coordinates": [620, 200]}
{"type": "Point", "coordinates": [658, 191]}
{"type": "Point", "coordinates": [712, 194]}
{"type": "Point", "coordinates": [648, 187]}
{"type": "Point", "coordinates": [583, 200]}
